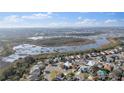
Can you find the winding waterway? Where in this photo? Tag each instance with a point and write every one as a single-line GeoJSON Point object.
{"type": "Point", "coordinates": [24, 50]}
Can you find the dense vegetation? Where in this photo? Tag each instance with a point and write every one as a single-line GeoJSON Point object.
{"type": "Point", "coordinates": [16, 70]}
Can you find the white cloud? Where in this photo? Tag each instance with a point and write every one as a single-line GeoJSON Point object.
{"type": "Point", "coordinates": [37, 19]}
{"type": "Point", "coordinates": [12, 18]}
{"type": "Point", "coordinates": [38, 16]}
{"type": "Point", "coordinates": [94, 22]}
{"type": "Point", "coordinates": [79, 18]}
{"type": "Point", "coordinates": [87, 22]}
{"type": "Point", "coordinates": [110, 21]}
{"type": "Point", "coordinates": [53, 24]}
{"type": "Point", "coordinates": [15, 20]}
{"type": "Point", "coordinates": [49, 13]}
{"type": "Point", "coordinates": [59, 24]}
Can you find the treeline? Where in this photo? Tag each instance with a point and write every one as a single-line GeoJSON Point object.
{"type": "Point", "coordinates": [16, 70]}
{"type": "Point", "coordinates": [7, 50]}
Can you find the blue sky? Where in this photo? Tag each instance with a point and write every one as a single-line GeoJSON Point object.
{"type": "Point", "coordinates": [61, 19]}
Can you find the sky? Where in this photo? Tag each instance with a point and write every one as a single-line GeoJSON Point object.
{"type": "Point", "coordinates": [61, 19]}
